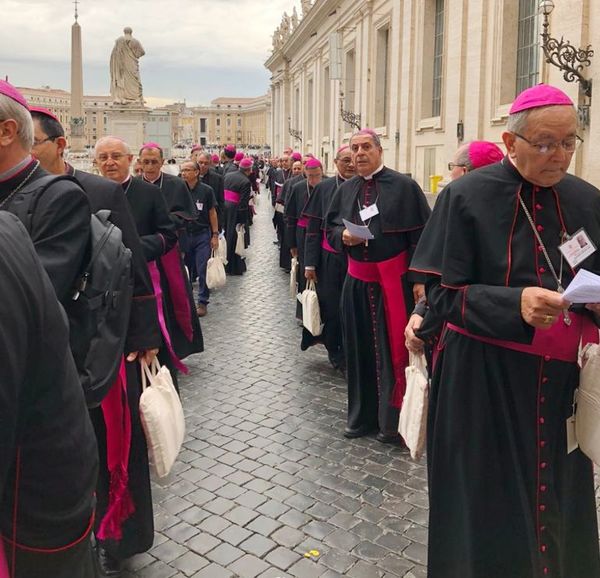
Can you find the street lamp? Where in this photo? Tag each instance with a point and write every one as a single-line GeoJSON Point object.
{"type": "Point", "coordinates": [560, 53]}
{"type": "Point", "coordinates": [297, 134]}
{"type": "Point", "coordinates": [352, 118]}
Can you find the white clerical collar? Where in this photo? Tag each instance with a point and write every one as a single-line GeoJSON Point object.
{"type": "Point", "coordinates": [10, 173]}
{"type": "Point", "coordinates": [369, 177]}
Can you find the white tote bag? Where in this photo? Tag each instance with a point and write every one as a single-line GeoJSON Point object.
{"type": "Point", "coordinates": [311, 313]}
{"type": "Point", "coordinates": [240, 245]}
{"type": "Point", "coordinates": [294, 278]}
{"type": "Point", "coordinates": [413, 415]}
{"type": "Point", "coordinates": [222, 249]}
{"type": "Point", "coordinates": [587, 418]}
{"type": "Point", "coordinates": [215, 272]}
{"type": "Point", "coordinates": [162, 417]}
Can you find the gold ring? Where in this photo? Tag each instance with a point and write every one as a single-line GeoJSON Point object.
{"type": "Point", "coordinates": [548, 319]}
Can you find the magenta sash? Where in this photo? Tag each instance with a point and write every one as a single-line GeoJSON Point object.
{"type": "Point", "coordinates": [117, 418]}
{"type": "Point", "coordinates": [326, 246]}
{"type": "Point", "coordinates": [232, 196]}
{"type": "Point", "coordinates": [3, 564]}
{"type": "Point", "coordinates": [560, 341]}
{"type": "Point", "coordinates": [389, 275]}
{"type": "Point", "coordinates": [177, 281]}
{"type": "Point", "coordinates": [155, 276]}
{"type": "Point", "coordinates": [302, 223]}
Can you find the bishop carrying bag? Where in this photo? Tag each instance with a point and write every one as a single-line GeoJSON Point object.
{"type": "Point", "coordinates": [99, 309]}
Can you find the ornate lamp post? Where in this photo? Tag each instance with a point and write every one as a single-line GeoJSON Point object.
{"type": "Point", "coordinates": [348, 116]}
{"type": "Point", "coordinates": [294, 133]}
{"type": "Point", "coordinates": [563, 55]}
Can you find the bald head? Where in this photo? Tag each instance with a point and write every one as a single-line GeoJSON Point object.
{"type": "Point", "coordinates": [113, 157]}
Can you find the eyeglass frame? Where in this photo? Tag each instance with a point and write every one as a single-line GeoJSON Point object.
{"type": "Point", "coordinates": [551, 148]}
{"type": "Point", "coordinates": [111, 157]}
{"type": "Point", "coordinates": [48, 138]}
{"type": "Point", "coordinates": [452, 166]}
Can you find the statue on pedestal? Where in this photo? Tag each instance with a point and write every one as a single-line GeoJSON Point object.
{"type": "Point", "coordinates": [285, 27]}
{"type": "Point", "coordinates": [294, 19]}
{"type": "Point", "coordinates": [125, 83]}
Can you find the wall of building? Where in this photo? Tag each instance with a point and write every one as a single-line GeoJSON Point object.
{"type": "Point", "coordinates": [384, 66]}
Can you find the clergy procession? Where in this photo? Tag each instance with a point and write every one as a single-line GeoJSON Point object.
{"type": "Point", "coordinates": [456, 330]}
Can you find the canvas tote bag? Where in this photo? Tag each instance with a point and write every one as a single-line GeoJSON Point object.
{"type": "Point", "coordinates": [413, 415]}
{"type": "Point", "coordinates": [162, 417]}
{"type": "Point", "coordinates": [215, 272]}
{"type": "Point", "coordinates": [311, 313]}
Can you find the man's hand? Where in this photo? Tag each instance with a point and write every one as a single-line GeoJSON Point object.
{"type": "Point", "coordinates": [310, 274]}
{"type": "Point", "coordinates": [418, 291]}
{"type": "Point", "coordinates": [294, 252]}
{"type": "Point", "coordinates": [413, 343]}
{"type": "Point", "coordinates": [541, 307]}
{"type": "Point", "coordinates": [214, 243]}
{"type": "Point", "coordinates": [147, 355]}
{"type": "Point", "coordinates": [349, 240]}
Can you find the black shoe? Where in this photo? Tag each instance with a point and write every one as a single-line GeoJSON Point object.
{"type": "Point", "coordinates": [389, 438]}
{"type": "Point", "coordinates": [358, 432]}
{"type": "Point", "coordinates": [109, 566]}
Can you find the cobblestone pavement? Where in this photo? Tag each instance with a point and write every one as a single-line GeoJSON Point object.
{"type": "Point", "coordinates": [266, 476]}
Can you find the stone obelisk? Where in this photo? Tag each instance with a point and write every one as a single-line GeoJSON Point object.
{"type": "Point", "coordinates": [77, 139]}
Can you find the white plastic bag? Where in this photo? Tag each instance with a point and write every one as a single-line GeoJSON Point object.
{"type": "Point", "coordinates": [222, 249]}
{"type": "Point", "coordinates": [215, 272]}
{"type": "Point", "coordinates": [294, 278]}
{"type": "Point", "coordinates": [413, 415]}
{"type": "Point", "coordinates": [162, 417]}
{"type": "Point", "coordinates": [240, 244]}
{"type": "Point", "coordinates": [311, 313]}
{"type": "Point", "coordinates": [587, 418]}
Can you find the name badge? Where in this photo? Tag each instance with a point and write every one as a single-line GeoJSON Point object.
{"type": "Point", "coordinates": [369, 212]}
{"type": "Point", "coordinates": [578, 248]}
{"type": "Point", "coordinates": [199, 205]}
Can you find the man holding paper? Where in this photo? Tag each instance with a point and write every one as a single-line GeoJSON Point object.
{"type": "Point", "coordinates": [386, 212]}
{"type": "Point", "coordinates": [510, 493]}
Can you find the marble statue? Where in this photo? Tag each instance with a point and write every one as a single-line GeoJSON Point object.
{"type": "Point", "coordinates": [306, 6]}
{"type": "Point", "coordinates": [285, 27]}
{"type": "Point", "coordinates": [294, 19]}
{"type": "Point", "coordinates": [125, 83]}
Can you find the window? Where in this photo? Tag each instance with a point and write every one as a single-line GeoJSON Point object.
{"type": "Point", "coordinates": [296, 119]}
{"type": "Point", "coordinates": [309, 108]}
{"type": "Point", "coordinates": [350, 84]}
{"type": "Point", "coordinates": [202, 125]}
{"type": "Point", "coordinates": [527, 45]}
{"type": "Point", "coordinates": [438, 59]}
{"type": "Point", "coordinates": [326, 102]}
{"type": "Point", "coordinates": [218, 121]}
{"type": "Point", "coordinates": [239, 122]}
{"type": "Point", "coordinates": [381, 76]}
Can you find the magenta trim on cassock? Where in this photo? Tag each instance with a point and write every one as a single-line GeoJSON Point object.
{"type": "Point", "coordinates": [155, 276]}
{"type": "Point", "coordinates": [232, 196]}
{"type": "Point", "coordinates": [117, 420]}
{"type": "Point", "coordinates": [302, 223]}
{"type": "Point", "coordinates": [389, 275]}
{"type": "Point", "coordinates": [325, 244]}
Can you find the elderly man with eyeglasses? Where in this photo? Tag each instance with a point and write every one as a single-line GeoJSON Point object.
{"type": "Point", "coordinates": [509, 496]}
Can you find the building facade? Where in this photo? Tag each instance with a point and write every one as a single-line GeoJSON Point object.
{"type": "Point", "coordinates": [427, 75]}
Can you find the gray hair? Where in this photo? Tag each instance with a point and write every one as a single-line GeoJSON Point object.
{"type": "Point", "coordinates": [517, 122]}
{"type": "Point", "coordinates": [11, 109]}
{"type": "Point", "coordinates": [106, 139]}
{"type": "Point", "coordinates": [461, 157]}
{"type": "Point", "coordinates": [370, 133]}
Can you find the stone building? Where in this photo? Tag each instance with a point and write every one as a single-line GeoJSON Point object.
{"type": "Point", "coordinates": [426, 74]}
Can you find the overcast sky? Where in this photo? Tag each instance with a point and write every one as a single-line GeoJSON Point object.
{"type": "Point", "coordinates": [195, 49]}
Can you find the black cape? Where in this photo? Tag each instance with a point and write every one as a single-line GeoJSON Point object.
{"type": "Point", "coordinates": [403, 212]}
{"type": "Point", "coordinates": [236, 214]}
{"type": "Point", "coordinates": [505, 497]}
{"type": "Point", "coordinates": [43, 417]}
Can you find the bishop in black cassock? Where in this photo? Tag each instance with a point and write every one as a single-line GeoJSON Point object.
{"type": "Point", "coordinates": [507, 496]}
{"type": "Point", "coordinates": [378, 291]}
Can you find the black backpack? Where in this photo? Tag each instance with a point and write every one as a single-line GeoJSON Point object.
{"type": "Point", "coordinates": [99, 309]}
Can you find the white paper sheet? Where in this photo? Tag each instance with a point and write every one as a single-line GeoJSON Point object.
{"type": "Point", "coordinates": [585, 288]}
{"type": "Point", "coordinates": [360, 231]}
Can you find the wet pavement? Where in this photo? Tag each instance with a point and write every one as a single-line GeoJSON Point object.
{"type": "Point", "coordinates": [266, 485]}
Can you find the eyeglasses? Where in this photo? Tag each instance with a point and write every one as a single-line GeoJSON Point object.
{"type": "Point", "coordinates": [451, 166]}
{"type": "Point", "coordinates": [37, 143]}
{"type": "Point", "coordinates": [102, 158]}
{"type": "Point", "coordinates": [151, 162]}
{"type": "Point", "coordinates": [188, 170]}
{"type": "Point", "coordinates": [549, 148]}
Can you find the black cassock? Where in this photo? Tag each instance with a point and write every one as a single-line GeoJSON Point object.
{"type": "Point", "coordinates": [236, 213]}
{"type": "Point", "coordinates": [143, 333]}
{"type": "Point", "coordinates": [330, 267]}
{"type": "Point", "coordinates": [285, 258]}
{"type": "Point", "coordinates": [182, 211]}
{"type": "Point", "coordinates": [214, 180]}
{"type": "Point", "coordinates": [295, 194]}
{"type": "Point", "coordinates": [505, 497]}
{"type": "Point", "coordinates": [48, 455]}
{"type": "Point", "coordinates": [403, 212]}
